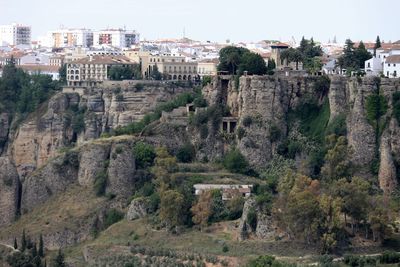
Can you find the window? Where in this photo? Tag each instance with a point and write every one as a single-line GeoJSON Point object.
{"type": "Point", "coordinates": [369, 65]}
{"type": "Point", "coordinates": [394, 65]}
{"type": "Point", "coordinates": [389, 65]}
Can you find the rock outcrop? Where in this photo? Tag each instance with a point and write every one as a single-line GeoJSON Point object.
{"type": "Point", "coordinates": [92, 159]}
{"type": "Point", "coordinates": [121, 170]}
{"type": "Point", "coordinates": [50, 128]}
{"type": "Point", "coordinates": [138, 208]}
{"type": "Point", "coordinates": [51, 179]}
{"type": "Point", "coordinates": [9, 192]}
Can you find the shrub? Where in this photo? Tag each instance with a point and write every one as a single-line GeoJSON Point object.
{"type": "Point", "coordinates": [234, 161]}
{"type": "Point", "coordinates": [274, 133]}
{"type": "Point", "coordinates": [203, 131]}
{"type": "Point", "coordinates": [247, 121]}
{"type": "Point", "coordinates": [144, 154]}
{"type": "Point", "coordinates": [240, 133]}
{"type": "Point", "coordinates": [112, 216]}
{"type": "Point", "coordinates": [376, 106]}
{"type": "Point", "coordinates": [186, 153]}
{"type": "Point", "coordinates": [119, 149]}
{"type": "Point", "coordinates": [100, 183]}
{"type": "Point", "coordinates": [206, 80]}
{"type": "Point", "coordinates": [262, 261]}
{"type": "Point", "coordinates": [252, 219]}
{"type": "Point", "coordinates": [200, 102]}
{"type": "Point", "coordinates": [396, 106]}
{"type": "Point", "coordinates": [337, 126]}
{"type": "Point", "coordinates": [322, 84]}
{"type": "Point", "coordinates": [225, 248]}
{"type": "Point", "coordinates": [389, 257]}
{"type": "Point", "coordinates": [139, 86]}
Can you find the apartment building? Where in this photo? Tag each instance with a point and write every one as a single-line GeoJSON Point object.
{"type": "Point", "coordinates": [119, 38]}
{"type": "Point", "coordinates": [15, 34]}
{"type": "Point", "coordinates": [71, 38]}
{"type": "Point", "coordinates": [92, 70]}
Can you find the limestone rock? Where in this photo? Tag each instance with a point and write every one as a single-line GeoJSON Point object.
{"type": "Point", "coordinates": [4, 129]}
{"type": "Point", "coordinates": [53, 178]}
{"type": "Point", "coordinates": [9, 191]}
{"type": "Point", "coordinates": [138, 208]}
{"type": "Point", "coordinates": [387, 169]}
{"type": "Point", "coordinates": [360, 134]}
{"type": "Point", "coordinates": [92, 161]}
{"type": "Point", "coordinates": [244, 227]}
{"type": "Point", "coordinates": [121, 170]}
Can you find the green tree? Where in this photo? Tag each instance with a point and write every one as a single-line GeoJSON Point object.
{"type": "Point", "coordinates": [23, 241]}
{"type": "Point", "coordinates": [171, 208]}
{"type": "Point", "coordinates": [59, 260]}
{"type": "Point", "coordinates": [271, 66]}
{"type": "Point", "coordinates": [62, 72]}
{"type": "Point", "coordinates": [234, 161]}
{"type": "Point", "coordinates": [15, 243]}
{"type": "Point", "coordinates": [230, 58]}
{"type": "Point", "coordinates": [41, 246]}
{"type": "Point", "coordinates": [355, 197]}
{"type": "Point", "coordinates": [337, 164]}
{"type": "Point", "coordinates": [377, 44]}
{"type": "Point", "coordinates": [362, 55]}
{"type": "Point", "coordinates": [253, 63]}
{"type": "Point", "coordinates": [144, 154]}
{"type": "Point", "coordinates": [186, 153]}
{"type": "Point", "coordinates": [155, 74]}
{"type": "Point", "coordinates": [119, 73]}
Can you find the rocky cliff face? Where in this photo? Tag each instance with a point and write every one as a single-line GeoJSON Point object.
{"type": "Point", "coordinates": [43, 133]}
{"type": "Point", "coordinates": [9, 192]}
{"type": "Point", "coordinates": [267, 101]}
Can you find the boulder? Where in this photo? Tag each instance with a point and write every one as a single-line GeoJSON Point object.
{"type": "Point", "coordinates": [138, 208]}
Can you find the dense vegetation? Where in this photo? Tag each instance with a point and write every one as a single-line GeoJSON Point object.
{"type": "Point", "coordinates": [23, 93]}
{"type": "Point", "coordinates": [119, 73]}
{"type": "Point", "coordinates": [353, 59]}
{"type": "Point", "coordinates": [308, 52]}
{"type": "Point", "coordinates": [236, 60]}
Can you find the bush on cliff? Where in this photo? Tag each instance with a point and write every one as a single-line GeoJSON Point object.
{"type": "Point", "coordinates": [234, 161]}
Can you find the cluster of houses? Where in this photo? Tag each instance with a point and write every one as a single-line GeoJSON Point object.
{"type": "Point", "coordinates": [89, 54]}
{"type": "Point", "coordinates": [386, 61]}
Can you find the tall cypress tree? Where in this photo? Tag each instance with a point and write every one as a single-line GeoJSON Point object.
{"type": "Point", "coordinates": [41, 248]}
{"type": "Point", "coordinates": [15, 243]}
{"type": "Point", "coordinates": [377, 44]}
{"type": "Point", "coordinates": [23, 241]}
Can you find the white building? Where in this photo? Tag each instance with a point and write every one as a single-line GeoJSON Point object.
{"type": "Point", "coordinates": [70, 38]}
{"type": "Point", "coordinates": [391, 67]}
{"type": "Point", "coordinates": [15, 34]}
{"type": "Point", "coordinates": [115, 37]}
{"type": "Point", "coordinates": [373, 66]}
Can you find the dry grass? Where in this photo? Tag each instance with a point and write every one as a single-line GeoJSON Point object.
{"type": "Point", "coordinates": [65, 211]}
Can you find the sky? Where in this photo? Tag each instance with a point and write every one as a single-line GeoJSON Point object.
{"type": "Point", "coordinates": [215, 20]}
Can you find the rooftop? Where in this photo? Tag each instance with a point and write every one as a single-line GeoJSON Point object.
{"type": "Point", "coordinates": [393, 59]}
{"type": "Point", "coordinates": [100, 59]}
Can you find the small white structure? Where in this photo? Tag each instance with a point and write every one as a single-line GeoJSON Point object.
{"type": "Point", "coordinates": [391, 67]}
{"type": "Point", "coordinates": [330, 68]}
{"type": "Point", "coordinates": [228, 190]}
{"type": "Point", "coordinates": [373, 66]}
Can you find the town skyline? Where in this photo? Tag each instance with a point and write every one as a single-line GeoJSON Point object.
{"type": "Point", "coordinates": [358, 21]}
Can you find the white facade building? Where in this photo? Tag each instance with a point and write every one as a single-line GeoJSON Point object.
{"type": "Point", "coordinates": [15, 34]}
{"type": "Point", "coordinates": [373, 66]}
{"type": "Point", "coordinates": [391, 67]}
{"type": "Point", "coordinates": [115, 37]}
